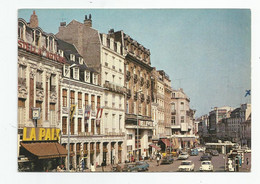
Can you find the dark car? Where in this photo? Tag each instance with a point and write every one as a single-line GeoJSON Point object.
{"type": "Point", "coordinates": [205, 156]}
{"type": "Point", "coordinates": [167, 160]}
{"type": "Point", "coordinates": [142, 166]}
{"type": "Point", "coordinates": [129, 168]}
{"type": "Point", "coordinates": [214, 153]}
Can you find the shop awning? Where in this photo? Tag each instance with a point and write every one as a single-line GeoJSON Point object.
{"type": "Point", "coordinates": [167, 142]}
{"type": "Point", "coordinates": [155, 147]}
{"type": "Point", "coordinates": [46, 149]}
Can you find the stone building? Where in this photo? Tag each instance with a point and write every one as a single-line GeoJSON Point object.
{"type": "Point", "coordinates": [182, 119]}
{"type": "Point", "coordinates": [102, 53]}
{"type": "Point", "coordinates": [39, 88]}
{"type": "Point", "coordinates": [138, 94]}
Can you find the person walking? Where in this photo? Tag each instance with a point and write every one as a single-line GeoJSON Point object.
{"type": "Point", "coordinates": [158, 160]}
{"type": "Point", "coordinates": [92, 168]}
{"type": "Point", "coordinates": [103, 165]}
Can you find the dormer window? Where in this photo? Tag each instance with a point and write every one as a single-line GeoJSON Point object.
{"type": "Point", "coordinates": [94, 79]}
{"type": "Point", "coordinates": [72, 57]}
{"type": "Point", "coordinates": [60, 53]}
{"type": "Point", "coordinates": [20, 30]}
{"type": "Point", "coordinates": [80, 60]}
{"type": "Point", "coordinates": [87, 77]}
{"type": "Point", "coordinates": [66, 71]}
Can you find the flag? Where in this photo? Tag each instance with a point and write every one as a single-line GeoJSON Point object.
{"type": "Point", "coordinates": [87, 112]}
{"type": "Point", "coordinates": [99, 113]}
{"type": "Point", "coordinates": [72, 111]}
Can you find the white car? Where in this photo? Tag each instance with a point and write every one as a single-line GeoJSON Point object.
{"type": "Point", "coordinates": [201, 149]}
{"type": "Point", "coordinates": [206, 166]}
{"type": "Point", "coordinates": [183, 156]}
{"type": "Point", "coordinates": [186, 166]}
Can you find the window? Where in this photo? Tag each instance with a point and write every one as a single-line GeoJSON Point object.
{"type": "Point", "coordinates": [129, 136]}
{"type": "Point", "coordinates": [52, 83]}
{"type": "Point", "coordinates": [76, 73]}
{"type": "Point", "coordinates": [95, 79]}
{"type": "Point", "coordinates": [92, 102]}
{"type": "Point", "coordinates": [72, 97]}
{"type": "Point", "coordinates": [80, 100]}
{"type": "Point", "coordinates": [182, 105]}
{"type": "Point", "coordinates": [173, 121]}
{"type": "Point", "coordinates": [20, 30]}
{"type": "Point", "coordinates": [87, 77]}
{"type": "Point", "coordinates": [98, 101]}
{"type": "Point", "coordinates": [79, 125]}
{"type": "Point", "coordinates": [182, 119]}
{"type": "Point", "coordinates": [72, 57]}
{"type": "Point", "coordinates": [72, 126]}
{"type": "Point", "coordinates": [86, 99]}
{"type": "Point", "coordinates": [129, 148]}
{"type": "Point", "coordinates": [64, 125]}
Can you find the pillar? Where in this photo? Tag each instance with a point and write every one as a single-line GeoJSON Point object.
{"type": "Point", "coordinates": [109, 153]}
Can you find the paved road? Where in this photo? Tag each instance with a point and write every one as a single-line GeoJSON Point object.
{"type": "Point", "coordinates": [217, 161]}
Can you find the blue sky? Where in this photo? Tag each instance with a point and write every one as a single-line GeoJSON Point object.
{"type": "Point", "coordinates": [204, 51]}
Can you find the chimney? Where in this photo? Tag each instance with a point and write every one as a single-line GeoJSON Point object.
{"type": "Point", "coordinates": [34, 20]}
{"type": "Point", "coordinates": [88, 21]}
{"type": "Point", "coordinates": [63, 24]}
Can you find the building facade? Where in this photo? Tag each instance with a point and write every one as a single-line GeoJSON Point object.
{"type": "Point", "coordinates": [104, 55]}
{"type": "Point", "coordinates": [182, 119]}
{"type": "Point", "coordinates": [39, 86]}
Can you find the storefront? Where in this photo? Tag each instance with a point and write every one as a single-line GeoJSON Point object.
{"type": "Point", "coordinates": [40, 150]}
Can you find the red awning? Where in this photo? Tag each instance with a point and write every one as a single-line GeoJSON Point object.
{"type": "Point", "coordinates": [167, 142]}
{"type": "Point", "coordinates": [155, 147]}
{"type": "Point", "coordinates": [46, 149]}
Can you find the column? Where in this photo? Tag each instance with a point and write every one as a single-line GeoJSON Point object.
{"type": "Point", "coordinates": [95, 154]}
{"type": "Point", "coordinates": [116, 152]}
{"type": "Point", "coordinates": [109, 153]}
{"type": "Point", "coordinates": [88, 157]}
{"type": "Point", "coordinates": [101, 152]}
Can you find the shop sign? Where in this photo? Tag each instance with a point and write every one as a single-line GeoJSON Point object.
{"type": "Point", "coordinates": [40, 51]}
{"type": "Point", "coordinates": [40, 134]}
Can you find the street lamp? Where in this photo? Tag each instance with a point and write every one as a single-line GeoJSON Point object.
{"type": "Point", "coordinates": [68, 159]}
{"type": "Point", "coordinates": [137, 128]}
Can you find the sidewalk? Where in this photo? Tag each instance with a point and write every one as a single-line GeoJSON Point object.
{"type": "Point", "coordinates": [245, 167]}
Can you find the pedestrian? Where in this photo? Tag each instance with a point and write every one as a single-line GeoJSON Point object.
{"type": "Point", "coordinates": [92, 168]}
{"type": "Point", "coordinates": [103, 165]}
{"type": "Point", "coordinates": [247, 161]}
{"type": "Point", "coordinates": [158, 160]}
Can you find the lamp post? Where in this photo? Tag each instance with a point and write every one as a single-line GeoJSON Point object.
{"type": "Point", "coordinates": [137, 128]}
{"type": "Point", "coordinates": [68, 159]}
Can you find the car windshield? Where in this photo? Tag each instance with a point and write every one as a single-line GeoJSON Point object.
{"type": "Point", "coordinates": [186, 163]}
{"type": "Point", "coordinates": [206, 163]}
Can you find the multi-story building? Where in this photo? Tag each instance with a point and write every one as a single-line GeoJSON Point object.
{"type": "Point", "coordinates": [237, 117]}
{"type": "Point", "coordinates": [203, 127]}
{"type": "Point", "coordinates": [39, 89]}
{"type": "Point", "coordinates": [182, 118]}
{"type": "Point", "coordinates": [80, 89]}
{"type": "Point", "coordinates": [215, 118]}
{"type": "Point", "coordinates": [102, 53]}
{"type": "Point", "coordinates": [138, 99]}
{"type": "Point", "coordinates": [245, 135]}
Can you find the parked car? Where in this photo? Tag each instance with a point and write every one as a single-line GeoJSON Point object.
{"type": "Point", "coordinates": [214, 153]}
{"type": "Point", "coordinates": [206, 166]}
{"type": "Point", "coordinates": [142, 166]}
{"type": "Point", "coordinates": [186, 166]}
{"type": "Point", "coordinates": [205, 156]}
{"type": "Point", "coordinates": [130, 168]}
{"type": "Point", "coordinates": [194, 152]}
{"type": "Point", "coordinates": [183, 156]}
{"type": "Point", "coordinates": [167, 160]}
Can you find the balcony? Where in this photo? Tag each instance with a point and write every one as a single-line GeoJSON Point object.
{"type": "Point", "coordinates": [148, 99]}
{"type": "Point", "coordinates": [135, 96]}
{"type": "Point", "coordinates": [128, 76]}
{"type": "Point", "coordinates": [147, 84]}
{"type": "Point", "coordinates": [113, 87]}
{"type": "Point", "coordinates": [39, 85]}
{"type": "Point", "coordinates": [173, 112]}
{"type": "Point", "coordinates": [142, 97]}
{"type": "Point", "coordinates": [22, 88]}
{"type": "Point", "coordinates": [135, 78]}
{"type": "Point", "coordinates": [128, 95]}
{"type": "Point", "coordinates": [142, 81]}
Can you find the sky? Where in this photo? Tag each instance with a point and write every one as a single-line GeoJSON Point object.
{"type": "Point", "coordinates": [207, 52]}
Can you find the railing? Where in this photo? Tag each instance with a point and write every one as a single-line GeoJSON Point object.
{"type": "Point", "coordinates": [39, 85]}
{"type": "Point", "coordinates": [22, 81]}
{"type": "Point", "coordinates": [128, 75]}
{"type": "Point", "coordinates": [114, 87]}
{"type": "Point", "coordinates": [135, 78]}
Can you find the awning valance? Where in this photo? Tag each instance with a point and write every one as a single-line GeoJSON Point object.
{"type": "Point", "coordinates": [155, 147]}
{"type": "Point", "coordinates": [45, 150]}
{"type": "Point", "coordinates": [167, 142]}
